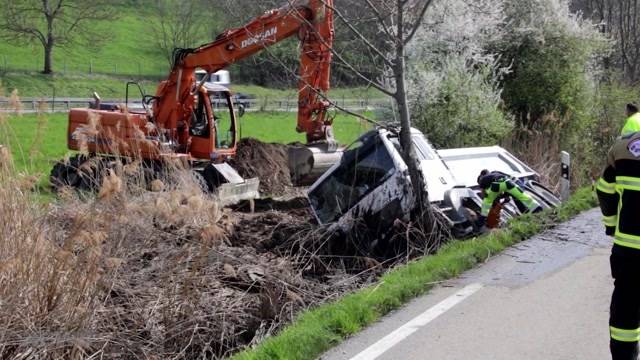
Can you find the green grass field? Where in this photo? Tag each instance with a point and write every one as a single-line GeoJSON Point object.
{"type": "Point", "coordinates": [127, 47]}
{"type": "Point", "coordinates": [39, 85]}
{"type": "Point", "coordinates": [37, 142]}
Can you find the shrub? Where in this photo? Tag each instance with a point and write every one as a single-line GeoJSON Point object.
{"type": "Point", "coordinates": [453, 80]}
{"type": "Point", "coordinates": [550, 52]}
{"type": "Point", "coordinates": [461, 107]}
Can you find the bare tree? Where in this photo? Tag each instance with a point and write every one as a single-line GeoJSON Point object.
{"type": "Point", "coordinates": [180, 24]}
{"type": "Point", "coordinates": [394, 24]}
{"type": "Point", "coordinates": [620, 20]}
{"type": "Point", "coordinates": [51, 23]}
{"type": "Point", "coordinates": [397, 23]}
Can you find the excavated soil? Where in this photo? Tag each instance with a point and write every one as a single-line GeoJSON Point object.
{"type": "Point", "coordinates": [184, 278]}
{"type": "Point", "coordinates": [268, 162]}
{"type": "Point", "coordinates": [170, 274]}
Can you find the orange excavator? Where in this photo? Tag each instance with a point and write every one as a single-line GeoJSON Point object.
{"type": "Point", "coordinates": [196, 121]}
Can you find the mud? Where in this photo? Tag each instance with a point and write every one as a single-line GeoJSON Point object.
{"type": "Point", "coordinates": [268, 162]}
{"type": "Point", "coordinates": [177, 276]}
{"type": "Point", "coordinates": [181, 276]}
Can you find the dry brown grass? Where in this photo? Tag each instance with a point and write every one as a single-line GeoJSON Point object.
{"type": "Point", "coordinates": [14, 102]}
{"type": "Point", "coordinates": [540, 151]}
{"type": "Point", "coordinates": [131, 273]}
{"type": "Point", "coordinates": [167, 273]}
{"type": "Point", "coordinates": [540, 148]}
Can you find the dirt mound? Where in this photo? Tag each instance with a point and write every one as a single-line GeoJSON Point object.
{"type": "Point", "coordinates": [268, 162]}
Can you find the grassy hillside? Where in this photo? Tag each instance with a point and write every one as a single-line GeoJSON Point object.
{"type": "Point", "coordinates": [35, 85]}
{"type": "Point", "coordinates": [126, 48]}
{"type": "Point", "coordinates": [39, 85]}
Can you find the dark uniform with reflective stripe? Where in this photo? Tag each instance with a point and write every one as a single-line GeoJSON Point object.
{"type": "Point", "coordinates": [619, 195]}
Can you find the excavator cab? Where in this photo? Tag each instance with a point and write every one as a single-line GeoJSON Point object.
{"type": "Point", "coordinates": [213, 124]}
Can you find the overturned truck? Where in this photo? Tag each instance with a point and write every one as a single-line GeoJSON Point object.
{"type": "Point", "coordinates": [371, 183]}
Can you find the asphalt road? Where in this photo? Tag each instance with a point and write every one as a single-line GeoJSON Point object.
{"type": "Point", "coordinates": [546, 298]}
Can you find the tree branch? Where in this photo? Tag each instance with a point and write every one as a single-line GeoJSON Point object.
{"type": "Point", "coordinates": [359, 35]}
{"type": "Point", "coordinates": [349, 65]}
{"type": "Point", "coordinates": [381, 20]}
{"type": "Point", "coordinates": [418, 21]}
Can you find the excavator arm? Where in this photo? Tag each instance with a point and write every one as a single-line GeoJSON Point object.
{"type": "Point", "coordinates": [312, 20]}
{"type": "Point", "coordinates": [183, 125]}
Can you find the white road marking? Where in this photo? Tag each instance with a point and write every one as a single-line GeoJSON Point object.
{"type": "Point", "coordinates": [416, 323]}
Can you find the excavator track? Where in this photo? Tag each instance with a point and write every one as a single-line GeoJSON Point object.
{"type": "Point", "coordinates": [85, 173]}
{"type": "Point", "coordinates": [69, 173]}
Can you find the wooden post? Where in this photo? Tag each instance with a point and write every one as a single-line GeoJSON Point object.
{"type": "Point", "coordinates": [565, 176]}
{"type": "Point", "coordinates": [53, 101]}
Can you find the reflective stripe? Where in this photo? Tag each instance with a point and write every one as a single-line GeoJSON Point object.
{"type": "Point", "coordinates": [610, 220]}
{"type": "Point", "coordinates": [605, 187]}
{"type": "Point", "coordinates": [626, 182]}
{"type": "Point", "coordinates": [530, 204]}
{"type": "Point", "coordinates": [624, 335]}
{"type": "Point", "coordinates": [627, 240]}
{"type": "Point", "coordinates": [485, 209]}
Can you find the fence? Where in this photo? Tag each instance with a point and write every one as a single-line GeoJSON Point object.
{"type": "Point", "coordinates": [63, 104]}
{"type": "Point", "coordinates": [90, 66]}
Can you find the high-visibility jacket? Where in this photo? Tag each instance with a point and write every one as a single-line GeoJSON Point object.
{"type": "Point", "coordinates": [496, 184]}
{"type": "Point", "coordinates": [631, 125]}
{"type": "Point", "coordinates": [619, 191]}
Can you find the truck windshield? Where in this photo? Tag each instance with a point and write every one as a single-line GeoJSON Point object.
{"type": "Point", "coordinates": [362, 170]}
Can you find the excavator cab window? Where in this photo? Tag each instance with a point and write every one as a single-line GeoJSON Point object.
{"type": "Point", "coordinates": [200, 119]}
{"type": "Point", "coordinates": [223, 122]}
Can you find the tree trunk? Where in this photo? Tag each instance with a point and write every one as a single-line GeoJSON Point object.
{"type": "Point", "coordinates": [48, 51]}
{"type": "Point", "coordinates": [409, 154]}
{"type": "Point", "coordinates": [408, 150]}
{"type": "Point", "coordinates": [48, 45]}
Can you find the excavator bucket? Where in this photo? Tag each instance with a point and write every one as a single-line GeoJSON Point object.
{"type": "Point", "coordinates": [234, 193]}
{"type": "Point", "coordinates": [230, 187]}
{"type": "Point", "coordinates": [308, 162]}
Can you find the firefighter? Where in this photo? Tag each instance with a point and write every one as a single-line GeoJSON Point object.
{"type": "Point", "coordinates": [632, 124]}
{"type": "Point", "coordinates": [618, 192]}
{"type": "Point", "coordinates": [497, 184]}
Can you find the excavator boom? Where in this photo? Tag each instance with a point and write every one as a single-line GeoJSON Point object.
{"type": "Point", "coordinates": [183, 123]}
{"type": "Point", "coordinates": [312, 20]}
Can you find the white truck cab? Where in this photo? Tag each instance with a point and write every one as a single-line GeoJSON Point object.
{"type": "Point", "coordinates": [371, 183]}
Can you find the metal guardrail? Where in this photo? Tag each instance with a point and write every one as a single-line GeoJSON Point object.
{"type": "Point", "coordinates": [62, 104]}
